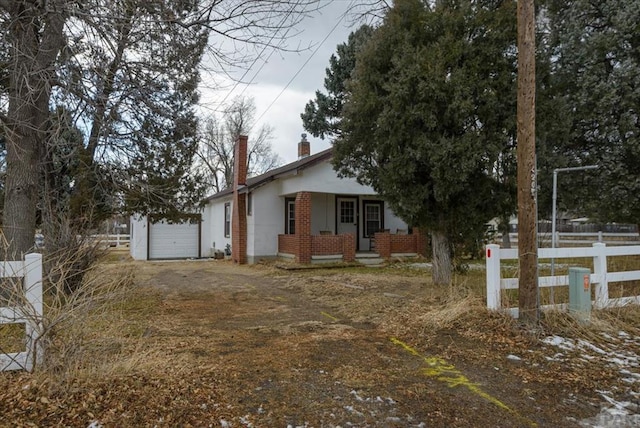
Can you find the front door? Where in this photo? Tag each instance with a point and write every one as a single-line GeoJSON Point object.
{"type": "Point", "coordinates": [347, 216]}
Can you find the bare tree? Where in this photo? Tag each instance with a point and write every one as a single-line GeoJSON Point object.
{"type": "Point", "coordinates": [219, 135]}
{"type": "Point", "coordinates": [127, 70]}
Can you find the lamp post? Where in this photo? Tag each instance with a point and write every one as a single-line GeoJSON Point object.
{"type": "Point", "coordinates": [553, 210]}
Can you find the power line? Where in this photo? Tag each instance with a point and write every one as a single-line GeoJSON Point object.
{"type": "Point", "coordinates": [284, 19]}
{"type": "Point", "coordinates": [303, 66]}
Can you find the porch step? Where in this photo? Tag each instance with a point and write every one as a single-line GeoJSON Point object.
{"type": "Point", "coordinates": [367, 255]}
{"type": "Point", "coordinates": [370, 261]}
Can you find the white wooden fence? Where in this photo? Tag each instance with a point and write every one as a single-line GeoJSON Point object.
{"type": "Point", "coordinates": [581, 238]}
{"type": "Point", "coordinates": [22, 304]}
{"type": "Point", "coordinates": [600, 278]}
{"type": "Point", "coordinates": [112, 240]}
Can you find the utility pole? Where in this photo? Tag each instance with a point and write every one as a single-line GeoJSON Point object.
{"type": "Point", "coordinates": [528, 301]}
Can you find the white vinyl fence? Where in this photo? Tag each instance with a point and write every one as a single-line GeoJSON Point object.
{"type": "Point", "coordinates": [112, 240]}
{"type": "Point", "coordinates": [600, 278]}
{"type": "Point", "coordinates": [582, 238]}
{"type": "Point", "coordinates": [21, 303]}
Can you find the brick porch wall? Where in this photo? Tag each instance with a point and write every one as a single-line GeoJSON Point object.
{"type": "Point", "coordinates": [326, 245]}
{"type": "Point", "coordinates": [287, 244]}
{"type": "Point", "coordinates": [321, 245]}
{"type": "Point", "coordinates": [386, 243]}
{"type": "Point", "coordinates": [403, 243]}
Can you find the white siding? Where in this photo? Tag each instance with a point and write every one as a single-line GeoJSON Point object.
{"type": "Point", "coordinates": [267, 219]}
{"type": "Point", "coordinates": [322, 178]}
{"type": "Point", "coordinates": [213, 226]}
{"type": "Point", "coordinates": [266, 223]}
{"type": "Point", "coordinates": [138, 238]}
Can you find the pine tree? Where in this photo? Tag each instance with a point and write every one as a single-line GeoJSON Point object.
{"type": "Point", "coordinates": [322, 116]}
{"type": "Point", "coordinates": [431, 116]}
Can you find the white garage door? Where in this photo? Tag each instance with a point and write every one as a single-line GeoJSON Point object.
{"type": "Point", "coordinates": [173, 241]}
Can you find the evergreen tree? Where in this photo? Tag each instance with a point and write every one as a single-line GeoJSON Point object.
{"type": "Point", "coordinates": [595, 73]}
{"type": "Point", "coordinates": [122, 67]}
{"type": "Point", "coordinates": [431, 116]}
{"type": "Point", "coordinates": [322, 116]}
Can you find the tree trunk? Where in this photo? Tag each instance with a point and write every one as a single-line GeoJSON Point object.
{"type": "Point", "coordinates": [503, 227]}
{"type": "Point", "coordinates": [33, 52]}
{"type": "Point", "coordinates": [441, 254]}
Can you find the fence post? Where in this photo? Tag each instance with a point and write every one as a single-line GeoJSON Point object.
{"type": "Point", "coordinates": [493, 276]}
{"type": "Point", "coordinates": [600, 271]}
{"type": "Point", "coordinates": [33, 311]}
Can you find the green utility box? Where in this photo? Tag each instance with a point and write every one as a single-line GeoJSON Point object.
{"type": "Point", "coordinates": [580, 292]}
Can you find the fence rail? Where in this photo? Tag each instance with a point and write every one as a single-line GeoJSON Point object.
{"type": "Point", "coordinates": [600, 278]}
{"type": "Point", "coordinates": [112, 240]}
{"type": "Point", "coordinates": [572, 238]}
{"type": "Point", "coordinates": [22, 304]}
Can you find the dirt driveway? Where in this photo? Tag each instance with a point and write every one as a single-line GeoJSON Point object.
{"type": "Point", "coordinates": [327, 349]}
{"type": "Point", "coordinates": [211, 344]}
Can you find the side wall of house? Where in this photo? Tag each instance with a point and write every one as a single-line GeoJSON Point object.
{"type": "Point", "coordinates": [265, 222]}
{"type": "Point", "coordinates": [138, 238]}
{"type": "Point", "coordinates": [213, 227]}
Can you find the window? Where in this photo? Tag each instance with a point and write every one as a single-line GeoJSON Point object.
{"type": "Point", "coordinates": [227, 219]}
{"type": "Point", "coordinates": [290, 216]}
{"type": "Point", "coordinates": [347, 212]}
{"type": "Point", "coordinates": [373, 218]}
{"type": "Point", "coordinates": [249, 204]}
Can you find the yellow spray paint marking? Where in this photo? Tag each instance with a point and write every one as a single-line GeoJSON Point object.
{"type": "Point", "coordinates": [445, 372]}
{"type": "Point", "coordinates": [331, 317]}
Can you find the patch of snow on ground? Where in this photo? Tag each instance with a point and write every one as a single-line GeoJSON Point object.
{"type": "Point", "coordinates": [621, 352]}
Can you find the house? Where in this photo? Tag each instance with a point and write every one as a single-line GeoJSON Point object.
{"type": "Point", "coordinates": [302, 211]}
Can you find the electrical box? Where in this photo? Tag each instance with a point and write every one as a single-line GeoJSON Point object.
{"type": "Point", "coordinates": [580, 293]}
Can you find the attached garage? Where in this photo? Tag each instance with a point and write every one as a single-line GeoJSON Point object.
{"type": "Point", "coordinates": [163, 240]}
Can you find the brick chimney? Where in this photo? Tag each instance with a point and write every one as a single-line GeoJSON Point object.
{"type": "Point", "coordinates": [304, 148]}
{"type": "Point", "coordinates": [239, 216]}
{"type": "Point", "coordinates": [240, 161]}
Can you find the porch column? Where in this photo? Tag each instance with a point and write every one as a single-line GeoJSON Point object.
{"type": "Point", "coordinates": [383, 244]}
{"type": "Point", "coordinates": [303, 227]}
{"type": "Point", "coordinates": [349, 248]}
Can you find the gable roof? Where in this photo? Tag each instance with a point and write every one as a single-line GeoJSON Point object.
{"type": "Point", "coordinates": [276, 173]}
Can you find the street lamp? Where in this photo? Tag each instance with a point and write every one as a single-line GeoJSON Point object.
{"type": "Point", "coordinates": [553, 209]}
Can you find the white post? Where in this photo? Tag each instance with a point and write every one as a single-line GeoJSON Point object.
{"type": "Point", "coordinates": [600, 271]}
{"type": "Point", "coordinates": [493, 276]}
{"type": "Point", "coordinates": [33, 281]}
{"type": "Point", "coordinates": [34, 309]}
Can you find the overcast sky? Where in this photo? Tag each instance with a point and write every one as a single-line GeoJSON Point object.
{"type": "Point", "coordinates": [284, 113]}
